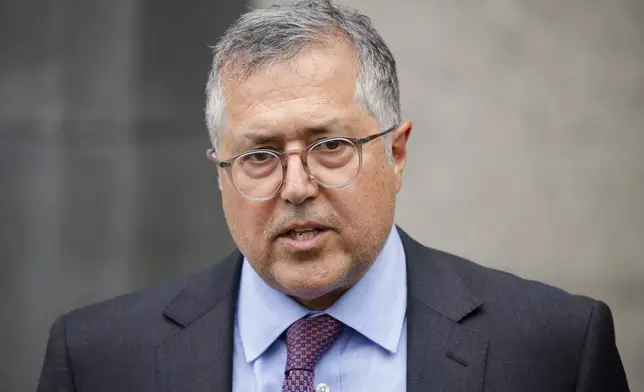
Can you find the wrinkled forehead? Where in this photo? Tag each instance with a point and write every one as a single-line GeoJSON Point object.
{"type": "Point", "coordinates": [315, 90]}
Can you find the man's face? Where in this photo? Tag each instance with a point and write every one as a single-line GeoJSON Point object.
{"type": "Point", "coordinates": [288, 106]}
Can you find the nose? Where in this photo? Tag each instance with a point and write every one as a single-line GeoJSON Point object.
{"type": "Point", "coordinates": [298, 186]}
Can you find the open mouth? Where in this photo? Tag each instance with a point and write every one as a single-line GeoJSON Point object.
{"type": "Point", "coordinates": [303, 239]}
{"type": "Point", "coordinates": [303, 234]}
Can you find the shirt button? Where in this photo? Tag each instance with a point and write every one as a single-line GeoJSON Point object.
{"type": "Point", "coordinates": [322, 388]}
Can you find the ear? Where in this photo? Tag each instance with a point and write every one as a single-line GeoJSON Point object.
{"type": "Point", "coordinates": [211, 153]}
{"type": "Point", "coordinates": [399, 151]}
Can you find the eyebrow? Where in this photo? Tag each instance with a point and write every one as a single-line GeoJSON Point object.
{"type": "Point", "coordinates": [260, 136]}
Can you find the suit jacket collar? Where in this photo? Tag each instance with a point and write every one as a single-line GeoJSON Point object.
{"type": "Point", "coordinates": [198, 356]}
{"type": "Point", "coordinates": [433, 281]}
{"type": "Point", "coordinates": [442, 353]}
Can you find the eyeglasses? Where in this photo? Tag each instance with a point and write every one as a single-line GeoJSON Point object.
{"type": "Point", "coordinates": [332, 162]}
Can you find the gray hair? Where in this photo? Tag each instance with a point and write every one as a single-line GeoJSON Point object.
{"type": "Point", "coordinates": [280, 32]}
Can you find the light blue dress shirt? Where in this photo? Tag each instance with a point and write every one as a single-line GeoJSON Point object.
{"type": "Point", "coordinates": [370, 354]}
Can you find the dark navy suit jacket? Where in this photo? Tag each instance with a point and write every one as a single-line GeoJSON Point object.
{"type": "Point", "coordinates": [470, 328]}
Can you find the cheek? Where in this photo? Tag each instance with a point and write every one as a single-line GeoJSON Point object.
{"type": "Point", "coordinates": [246, 219]}
{"type": "Point", "coordinates": [378, 181]}
{"type": "Point", "coordinates": [366, 203]}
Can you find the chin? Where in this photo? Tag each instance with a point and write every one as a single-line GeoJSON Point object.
{"type": "Point", "coordinates": [311, 292]}
{"type": "Point", "coordinates": [303, 286]}
{"type": "Point", "coordinates": [308, 287]}
{"type": "Point", "coordinates": [316, 298]}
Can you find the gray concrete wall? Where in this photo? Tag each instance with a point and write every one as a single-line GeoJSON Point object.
{"type": "Point", "coordinates": [104, 183]}
{"type": "Point", "coordinates": [527, 152]}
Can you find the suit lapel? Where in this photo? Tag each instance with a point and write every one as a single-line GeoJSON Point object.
{"type": "Point", "coordinates": [198, 356]}
{"type": "Point", "coordinates": [442, 353]}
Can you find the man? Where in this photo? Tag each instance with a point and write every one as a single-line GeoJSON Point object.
{"type": "Point", "coordinates": [325, 293]}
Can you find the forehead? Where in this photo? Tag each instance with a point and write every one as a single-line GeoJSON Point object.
{"type": "Point", "coordinates": [315, 87]}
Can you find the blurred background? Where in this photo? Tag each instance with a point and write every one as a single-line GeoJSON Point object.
{"type": "Point", "coordinates": [527, 152]}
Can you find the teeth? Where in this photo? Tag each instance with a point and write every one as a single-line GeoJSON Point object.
{"type": "Point", "coordinates": [303, 235]}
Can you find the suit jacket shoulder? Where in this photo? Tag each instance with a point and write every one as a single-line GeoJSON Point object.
{"type": "Point", "coordinates": [504, 291]}
{"type": "Point", "coordinates": [529, 333]}
{"type": "Point", "coordinates": [112, 345]}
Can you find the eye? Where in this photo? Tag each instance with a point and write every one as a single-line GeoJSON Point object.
{"type": "Point", "coordinates": [259, 156]}
{"type": "Point", "coordinates": [331, 145]}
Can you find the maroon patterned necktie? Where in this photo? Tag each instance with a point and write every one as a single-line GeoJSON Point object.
{"type": "Point", "coordinates": [306, 341]}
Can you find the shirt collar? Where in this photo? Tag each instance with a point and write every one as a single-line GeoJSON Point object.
{"type": "Point", "coordinates": [375, 306]}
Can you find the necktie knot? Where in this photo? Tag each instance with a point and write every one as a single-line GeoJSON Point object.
{"type": "Point", "coordinates": [308, 339]}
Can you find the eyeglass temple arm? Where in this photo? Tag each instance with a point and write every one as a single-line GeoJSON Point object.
{"type": "Point", "coordinates": [221, 164]}
{"type": "Point", "coordinates": [369, 138]}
